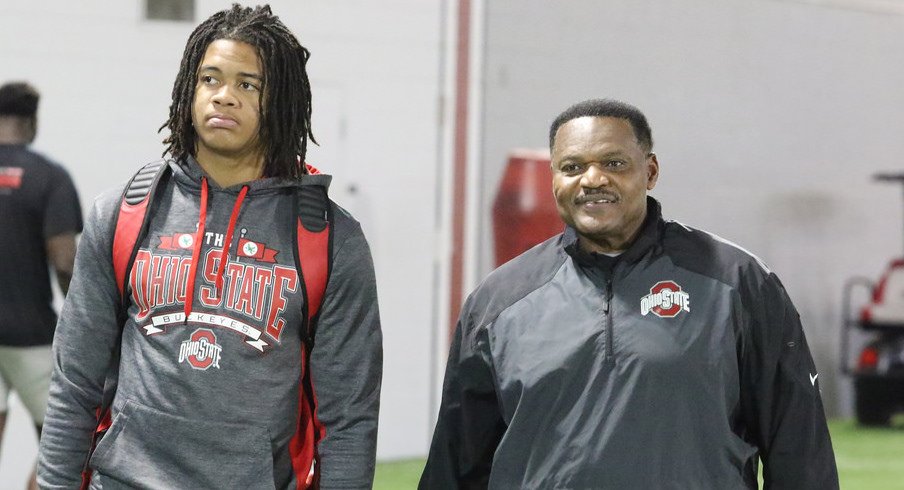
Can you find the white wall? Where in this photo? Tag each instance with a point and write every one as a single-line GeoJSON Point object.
{"type": "Point", "coordinates": [105, 77]}
{"type": "Point", "coordinates": [769, 119]}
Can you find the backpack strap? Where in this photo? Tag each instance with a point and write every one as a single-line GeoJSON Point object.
{"type": "Point", "coordinates": [132, 220]}
{"type": "Point", "coordinates": [314, 243]}
{"type": "Point", "coordinates": [131, 227]}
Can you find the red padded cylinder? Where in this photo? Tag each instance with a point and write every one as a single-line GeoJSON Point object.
{"type": "Point", "coordinates": [524, 211]}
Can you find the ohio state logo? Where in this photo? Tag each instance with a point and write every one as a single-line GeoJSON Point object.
{"type": "Point", "coordinates": [250, 249]}
{"type": "Point", "coordinates": [176, 241]}
{"type": "Point", "coordinates": [666, 299]}
{"type": "Point", "coordinates": [201, 350]}
{"type": "Point", "coordinates": [186, 240]}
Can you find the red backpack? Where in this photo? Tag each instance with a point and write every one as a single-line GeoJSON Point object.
{"type": "Point", "coordinates": [313, 259]}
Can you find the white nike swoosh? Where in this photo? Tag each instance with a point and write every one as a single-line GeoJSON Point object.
{"type": "Point", "coordinates": [813, 379]}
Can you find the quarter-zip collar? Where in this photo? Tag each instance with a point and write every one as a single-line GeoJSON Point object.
{"type": "Point", "coordinates": [648, 238]}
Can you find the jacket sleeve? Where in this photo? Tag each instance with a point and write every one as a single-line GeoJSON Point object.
{"type": "Point", "coordinates": [780, 396]}
{"type": "Point", "coordinates": [347, 367]}
{"type": "Point", "coordinates": [470, 424]}
{"type": "Point", "coordinates": [83, 346]}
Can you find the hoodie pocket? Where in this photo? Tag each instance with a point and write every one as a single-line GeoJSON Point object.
{"type": "Point", "coordinates": [152, 449]}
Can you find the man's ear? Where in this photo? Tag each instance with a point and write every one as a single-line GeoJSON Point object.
{"type": "Point", "coordinates": [31, 129]}
{"type": "Point", "coordinates": [652, 171]}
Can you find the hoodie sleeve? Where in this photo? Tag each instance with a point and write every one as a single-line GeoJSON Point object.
{"type": "Point", "coordinates": [780, 396]}
{"type": "Point", "coordinates": [83, 346]}
{"type": "Point", "coordinates": [347, 366]}
{"type": "Point", "coordinates": [470, 424]}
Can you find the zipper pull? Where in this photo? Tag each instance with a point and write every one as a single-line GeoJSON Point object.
{"type": "Point", "coordinates": [608, 296]}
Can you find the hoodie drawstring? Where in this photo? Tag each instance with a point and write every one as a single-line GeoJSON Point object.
{"type": "Point", "coordinates": [196, 249]}
{"type": "Point", "coordinates": [224, 256]}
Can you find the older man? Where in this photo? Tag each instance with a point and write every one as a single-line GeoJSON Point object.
{"type": "Point", "coordinates": [629, 351]}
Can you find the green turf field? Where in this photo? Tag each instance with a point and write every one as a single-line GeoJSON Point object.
{"type": "Point", "coordinates": [398, 475]}
{"type": "Point", "coordinates": [868, 459]}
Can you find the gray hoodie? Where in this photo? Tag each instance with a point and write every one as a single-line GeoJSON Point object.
{"type": "Point", "coordinates": [213, 402]}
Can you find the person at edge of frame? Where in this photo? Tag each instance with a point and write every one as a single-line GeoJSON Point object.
{"type": "Point", "coordinates": [40, 218]}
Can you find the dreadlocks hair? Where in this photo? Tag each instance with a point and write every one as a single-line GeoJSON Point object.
{"type": "Point", "coordinates": [285, 98]}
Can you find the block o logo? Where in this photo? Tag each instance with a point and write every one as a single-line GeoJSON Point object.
{"type": "Point", "coordinates": [201, 350]}
{"type": "Point", "coordinates": [666, 299]}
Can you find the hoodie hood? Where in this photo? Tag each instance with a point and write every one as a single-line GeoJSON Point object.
{"type": "Point", "coordinates": [189, 175]}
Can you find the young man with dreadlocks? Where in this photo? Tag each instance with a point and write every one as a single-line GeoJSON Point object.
{"type": "Point", "coordinates": [208, 337]}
